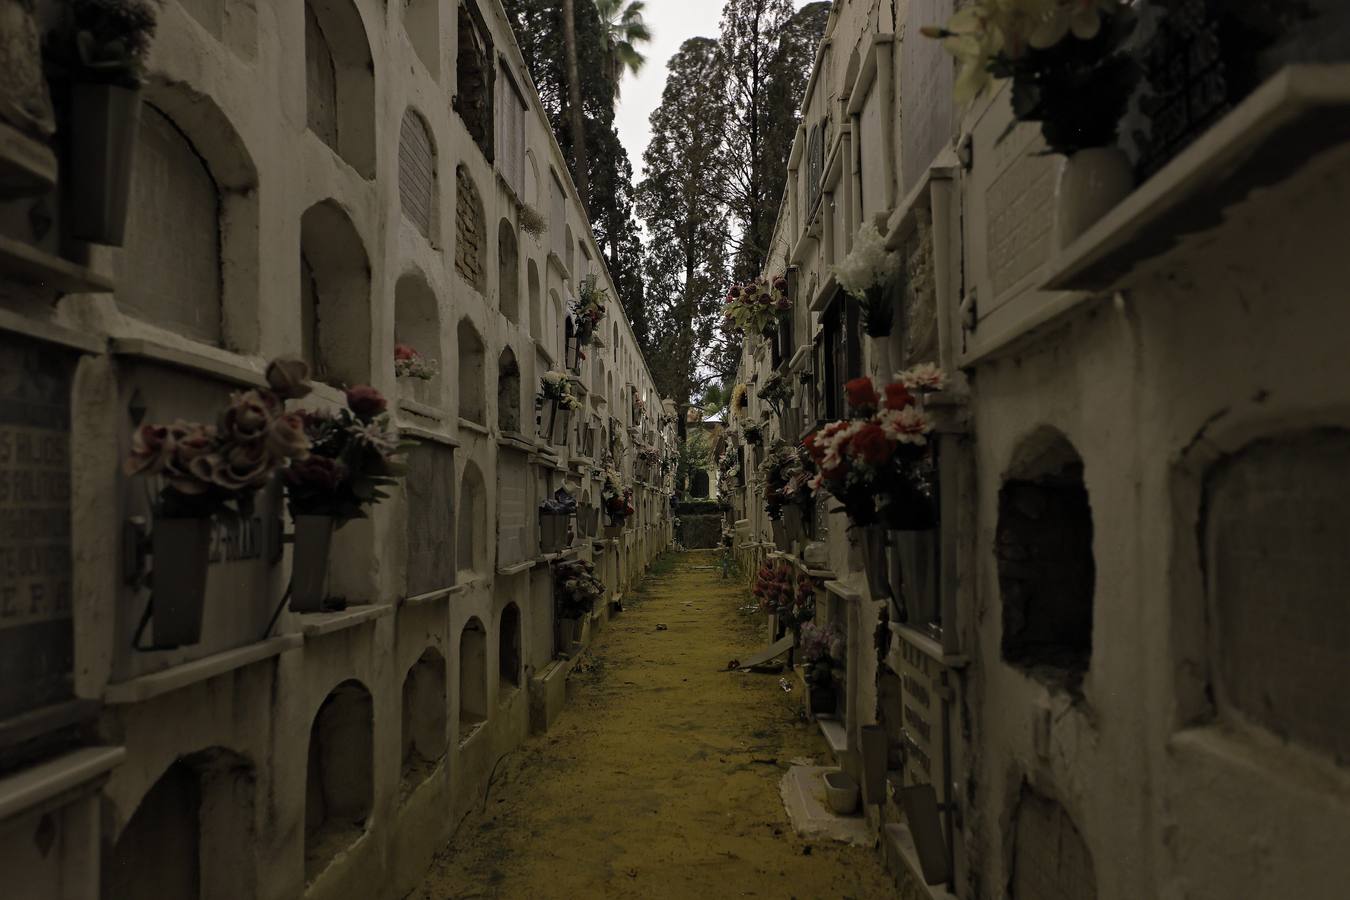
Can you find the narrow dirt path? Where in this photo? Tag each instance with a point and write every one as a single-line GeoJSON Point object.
{"type": "Point", "coordinates": [661, 777]}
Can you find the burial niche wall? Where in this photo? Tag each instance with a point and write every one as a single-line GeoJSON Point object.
{"type": "Point", "coordinates": [1275, 520]}
{"type": "Point", "coordinates": [470, 231]}
{"type": "Point", "coordinates": [1046, 571]}
{"type": "Point", "coordinates": [424, 717]}
{"type": "Point", "coordinates": [431, 517]}
{"type": "Point", "coordinates": [417, 188]}
{"type": "Point", "coordinates": [417, 324]}
{"type": "Point", "coordinates": [508, 270]}
{"type": "Point", "coordinates": [170, 272]}
{"type": "Point", "coordinates": [508, 649]}
{"type": "Point", "coordinates": [335, 321]}
{"type": "Point", "coordinates": [339, 785]}
{"type": "Point", "coordinates": [473, 523]}
{"type": "Point", "coordinates": [471, 403]}
{"type": "Point", "coordinates": [191, 837]}
{"type": "Point", "coordinates": [1050, 860]}
{"type": "Point", "coordinates": [473, 707]}
{"type": "Point", "coordinates": [340, 82]}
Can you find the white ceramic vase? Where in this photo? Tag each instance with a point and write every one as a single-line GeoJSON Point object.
{"type": "Point", "coordinates": [1091, 182]}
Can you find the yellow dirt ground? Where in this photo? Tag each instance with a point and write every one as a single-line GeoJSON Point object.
{"type": "Point", "coordinates": [660, 780]}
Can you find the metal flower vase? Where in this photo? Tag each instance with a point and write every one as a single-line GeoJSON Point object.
{"type": "Point", "coordinates": [181, 548]}
{"type": "Point", "coordinates": [309, 563]}
{"type": "Point", "coordinates": [106, 122]}
{"type": "Point", "coordinates": [872, 540]}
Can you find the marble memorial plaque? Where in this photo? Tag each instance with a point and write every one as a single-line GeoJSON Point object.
{"type": "Point", "coordinates": [431, 518]}
{"type": "Point", "coordinates": [927, 107]}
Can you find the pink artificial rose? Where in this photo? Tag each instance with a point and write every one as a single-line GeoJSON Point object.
{"type": "Point", "coordinates": [249, 415]}
{"type": "Point", "coordinates": [286, 438]}
{"type": "Point", "coordinates": [151, 449]}
{"type": "Point", "coordinates": [365, 401]}
{"type": "Point", "coordinates": [289, 378]}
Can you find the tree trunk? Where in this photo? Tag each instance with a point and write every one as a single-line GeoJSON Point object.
{"type": "Point", "coordinates": [579, 159]}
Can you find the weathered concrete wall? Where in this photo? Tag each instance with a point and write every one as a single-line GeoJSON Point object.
{"type": "Point", "coordinates": [275, 215]}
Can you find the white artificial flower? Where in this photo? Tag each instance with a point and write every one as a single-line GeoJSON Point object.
{"type": "Point", "coordinates": [924, 376]}
{"type": "Point", "coordinates": [905, 426]}
{"type": "Point", "coordinates": [868, 264]}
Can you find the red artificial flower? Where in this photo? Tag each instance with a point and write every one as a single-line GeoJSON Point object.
{"type": "Point", "coordinates": [403, 351]}
{"type": "Point", "coordinates": [365, 401]}
{"type": "Point", "coordinates": [871, 445]}
{"type": "Point", "coordinates": [898, 396]}
{"type": "Point", "coordinates": [861, 394]}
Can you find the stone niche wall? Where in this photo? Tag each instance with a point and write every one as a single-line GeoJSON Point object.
{"type": "Point", "coordinates": [1276, 520]}
{"type": "Point", "coordinates": [1050, 861]}
{"type": "Point", "coordinates": [470, 233]}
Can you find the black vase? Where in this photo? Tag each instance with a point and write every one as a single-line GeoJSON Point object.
{"type": "Point", "coordinates": [823, 700]}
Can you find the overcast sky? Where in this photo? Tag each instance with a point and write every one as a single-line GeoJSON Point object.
{"type": "Point", "coordinates": [672, 23]}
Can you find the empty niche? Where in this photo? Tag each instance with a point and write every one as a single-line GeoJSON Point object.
{"type": "Point", "coordinates": [536, 313]}
{"type": "Point", "coordinates": [170, 272]}
{"type": "Point", "coordinates": [471, 403]}
{"type": "Point", "coordinates": [508, 392]}
{"type": "Point", "coordinates": [339, 787]}
{"type": "Point", "coordinates": [340, 82]}
{"type": "Point", "coordinates": [417, 324]}
{"type": "Point", "coordinates": [470, 231]}
{"type": "Point", "coordinates": [508, 649]}
{"type": "Point", "coordinates": [508, 270]}
{"type": "Point", "coordinates": [191, 836]}
{"type": "Point", "coordinates": [472, 525]}
{"type": "Point", "coordinates": [424, 718]}
{"type": "Point", "coordinates": [473, 77]}
{"type": "Point", "coordinates": [473, 706]}
{"type": "Point", "coordinates": [417, 188]}
{"type": "Point", "coordinates": [1050, 861]}
{"type": "Point", "coordinates": [1046, 571]}
{"type": "Point", "coordinates": [1274, 525]}
{"type": "Point", "coordinates": [335, 321]}
{"type": "Point", "coordinates": [422, 23]}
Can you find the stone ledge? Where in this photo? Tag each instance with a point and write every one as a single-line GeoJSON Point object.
{"type": "Point", "coordinates": [803, 793]}
{"type": "Point", "coordinates": [34, 786]}
{"type": "Point", "coordinates": [155, 684]}
{"type": "Point", "coordinates": [319, 624]}
{"type": "Point", "coordinates": [897, 848]}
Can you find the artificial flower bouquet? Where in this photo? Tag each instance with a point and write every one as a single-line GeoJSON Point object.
{"type": "Point", "coordinates": [353, 457]}
{"type": "Point", "coordinates": [576, 589]}
{"type": "Point", "coordinates": [754, 308]}
{"type": "Point", "coordinates": [557, 386]}
{"type": "Point", "coordinates": [823, 647]}
{"type": "Point", "coordinates": [617, 500]}
{"type": "Point", "coordinates": [787, 470]}
{"type": "Point", "coordinates": [781, 593]}
{"type": "Point", "coordinates": [1067, 60]}
{"type": "Point", "coordinates": [753, 432]}
{"type": "Point", "coordinates": [729, 468]}
{"type": "Point", "coordinates": [589, 308]}
{"type": "Point", "coordinates": [207, 469]}
{"type": "Point", "coordinates": [408, 363]}
{"type": "Point", "coordinates": [740, 401]}
{"type": "Point", "coordinates": [878, 463]}
{"type": "Point", "coordinates": [865, 273]}
{"type": "Point", "coordinates": [532, 221]}
{"type": "Point", "coordinates": [776, 391]}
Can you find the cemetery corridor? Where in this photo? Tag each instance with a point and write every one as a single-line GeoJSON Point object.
{"type": "Point", "coordinates": [661, 777]}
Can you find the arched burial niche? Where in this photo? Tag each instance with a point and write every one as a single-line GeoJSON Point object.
{"type": "Point", "coordinates": [417, 324]}
{"type": "Point", "coordinates": [508, 649]}
{"type": "Point", "coordinates": [334, 296]}
{"type": "Point", "coordinates": [417, 186]}
{"type": "Point", "coordinates": [472, 678]}
{"type": "Point", "coordinates": [424, 717]}
{"type": "Point", "coordinates": [508, 392]}
{"type": "Point", "coordinates": [339, 784]}
{"type": "Point", "coordinates": [1046, 571]}
{"type": "Point", "coordinates": [474, 77]}
{"type": "Point", "coordinates": [422, 22]}
{"type": "Point", "coordinates": [1050, 860]}
{"type": "Point", "coordinates": [471, 405]}
{"type": "Point", "coordinates": [536, 314]}
{"type": "Point", "coordinates": [1276, 625]}
{"type": "Point", "coordinates": [472, 524]}
{"type": "Point", "coordinates": [191, 836]}
{"type": "Point", "coordinates": [470, 231]}
{"type": "Point", "coordinates": [508, 270]}
{"type": "Point", "coordinates": [340, 82]}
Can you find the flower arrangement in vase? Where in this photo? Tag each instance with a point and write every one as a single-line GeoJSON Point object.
{"type": "Point", "coordinates": [823, 648]}
{"type": "Point", "coordinates": [787, 470]}
{"type": "Point", "coordinates": [353, 458]}
{"type": "Point", "coordinates": [532, 221]}
{"type": "Point", "coordinates": [877, 463]}
{"type": "Point", "coordinates": [408, 363]}
{"type": "Point", "coordinates": [589, 308]}
{"type": "Point", "coordinates": [204, 471]}
{"type": "Point", "coordinates": [1070, 73]}
{"type": "Point", "coordinates": [865, 274]}
{"type": "Point", "coordinates": [555, 394]}
{"type": "Point", "coordinates": [616, 499]}
{"type": "Point", "coordinates": [781, 593]}
{"type": "Point", "coordinates": [754, 308]}
{"type": "Point", "coordinates": [576, 590]}
{"type": "Point", "coordinates": [776, 391]}
{"type": "Point", "coordinates": [740, 401]}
